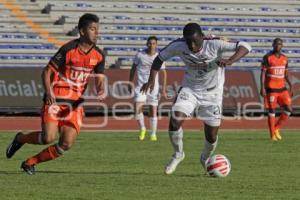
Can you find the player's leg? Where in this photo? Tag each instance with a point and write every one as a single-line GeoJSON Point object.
{"type": "Point", "coordinates": [46, 136]}
{"type": "Point", "coordinates": [210, 143]}
{"type": "Point", "coordinates": [139, 114]}
{"type": "Point", "coordinates": [152, 101]}
{"type": "Point", "coordinates": [183, 108]}
{"type": "Point", "coordinates": [284, 101]}
{"type": "Point", "coordinates": [287, 110]}
{"type": "Point", "coordinates": [69, 128]}
{"type": "Point", "coordinates": [153, 122]}
{"type": "Point", "coordinates": [66, 140]}
{"type": "Point", "coordinates": [270, 104]}
{"type": "Point", "coordinates": [176, 139]}
{"type": "Point", "coordinates": [271, 123]}
{"type": "Point", "coordinates": [211, 116]}
{"type": "Point", "coordinates": [140, 100]}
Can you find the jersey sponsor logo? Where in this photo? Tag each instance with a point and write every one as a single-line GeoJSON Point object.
{"type": "Point", "coordinates": [93, 61]}
{"type": "Point", "coordinates": [79, 76]}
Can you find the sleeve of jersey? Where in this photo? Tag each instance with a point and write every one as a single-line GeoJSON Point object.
{"type": "Point", "coordinates": [59, 59]}
{"type": "Point", "coordinates": [99, 69]}
{"type": "Point", "coordinates": [233, 45]}
{"type": "Point", "coordinates": [136, 59]}
{"type": "Point", "coordinates": [168, 52]}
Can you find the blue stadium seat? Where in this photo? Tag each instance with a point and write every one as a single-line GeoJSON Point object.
{"type": "Point", "coordinates": [19, 36]}
{"type": "Point", "coordinates": [209, 28]}
{"type": "Point", "coordinates": [24, 57]}
{"type": "Point", "coordinates": [27, 46]}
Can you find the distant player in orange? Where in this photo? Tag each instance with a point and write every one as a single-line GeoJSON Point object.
{"type": "Point", "coordinates": [65, 80]}
{"type": "Point", "coordinates": [273, 88]}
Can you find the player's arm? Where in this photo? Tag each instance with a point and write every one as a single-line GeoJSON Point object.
{"type": "Point", "coordinates": [262, 81]}
{"type": "Point", "coordinates": [164, 81]}
{"type": "Point", "coordinates": [100, 79]}
{"type": "Point", "coordinates": [156, 65]}
{"type": "Point", "coordinates": [100, 86]}
{"type": "Point", "coordinates": [56, 62]}
{"type": "Point", "coordinates": [169, 51]}
{"type": "Point", "coordinates": [264, 65]}
{"type": "Point", "coordinates": [47, 73]}
{"type": "Point", "coordinates": [241, 50]}
{"type": "Point", "coordinates": [286, 76]}
{"type": "Point", "coordinates": [131, 76]}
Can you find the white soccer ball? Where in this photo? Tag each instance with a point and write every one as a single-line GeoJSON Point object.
{"type": "Point", "coordinates": [218, 166]}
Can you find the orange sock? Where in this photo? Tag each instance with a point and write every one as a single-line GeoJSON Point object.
{"type": "Point", "coordinates": [271, 123]}
{"type": "Point", "coordinates": [282, 119]}
{"type": "Point", "coordinates": [50, 153]}
{"type": "Point", "coordinates": [31, 138]}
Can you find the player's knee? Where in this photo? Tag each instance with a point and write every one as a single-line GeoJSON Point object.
{"type": "Point", "coordinates": [48, 139]}
{"type": "Point", "coordinates": [65, 145]}
{"type": "Point", "coordinates": [174, 125]}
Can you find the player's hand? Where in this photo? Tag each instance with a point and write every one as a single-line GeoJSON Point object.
{"type": "Point", "coordinates": [101, 95]}
{"type": "Point", "coordinates": [224, 62]}
{"type": "Point", "coordinates": [165, 95]}
{"type": "Point", "coordinates": [263, 92]}
{"type": "Point", "coordinates": [50, 99]}
{"type": "Point", "coordinates": [147, 86]}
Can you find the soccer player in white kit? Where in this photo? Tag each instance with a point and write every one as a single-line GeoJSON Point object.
{"type": "Point", "coordinates": [142, 64]}
{"type": "Point", "coordinates": [202, 87]}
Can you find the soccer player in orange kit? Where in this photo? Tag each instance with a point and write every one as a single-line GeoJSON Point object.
{"type": "Point", "coordinates": [65, 80]}
{"type": "Point", "coordinates": [273, 87]}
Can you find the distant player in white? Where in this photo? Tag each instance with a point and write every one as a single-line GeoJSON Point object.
{"type": "Point", "coordinates": [142, 64]}
{"type": "Point", "coordinates": [202, 87]}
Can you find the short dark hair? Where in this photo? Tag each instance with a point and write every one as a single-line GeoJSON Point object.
{"type": "Point", "coordinates": [191, 28]}
{"type": "Point", "coordinates": [276, 40]}
{"type": "Point", "coordinates": [86, 19]}
{"type": "Point", "coordinates": [152, 38]}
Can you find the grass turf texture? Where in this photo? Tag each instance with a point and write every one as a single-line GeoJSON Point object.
{"type": "Point", "coordinates": [118, 166]}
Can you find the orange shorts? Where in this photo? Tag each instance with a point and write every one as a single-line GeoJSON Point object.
{"type": "Point", "coordinates": [277, 98]}
{"type": "Point", "coordinates": [63, 115]}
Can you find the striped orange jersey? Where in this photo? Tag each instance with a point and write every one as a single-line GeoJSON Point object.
{"type": "Point", "coordinates": [72, 69]}
{"type": "Point", "coordinates": [275, 68]}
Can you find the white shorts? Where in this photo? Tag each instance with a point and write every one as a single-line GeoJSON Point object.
{"type": "Point", "coordinates": [149, 98]}
{"type": "Point", "coordinates": [207, 107]}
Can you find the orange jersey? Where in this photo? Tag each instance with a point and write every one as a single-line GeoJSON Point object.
{"type": "Point", "coordinates": [72, 69]}
{"type": "Point", "coordinates": [275, 68]}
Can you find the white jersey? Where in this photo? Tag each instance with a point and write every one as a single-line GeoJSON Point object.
{"type": "Point", "coordinates": [144, 62]}
{"type": "Point", "coordinates": [197, 77]}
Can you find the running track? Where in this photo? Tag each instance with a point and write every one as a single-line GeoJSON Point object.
{"type": "Point", "coordinates": [94, 123]}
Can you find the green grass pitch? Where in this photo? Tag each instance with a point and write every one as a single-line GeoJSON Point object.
{"type": "Point", "coordinates": [114, 165]}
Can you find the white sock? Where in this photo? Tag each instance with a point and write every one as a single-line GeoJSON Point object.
{"type": "Point", "coordinates": [153, 125]}
{"type": "Point", "coordinates": [140, 119]}
{"type": "Point", "coordinates": [176, 140]}
{"type": "Point", "coordinates": [208, 149]}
